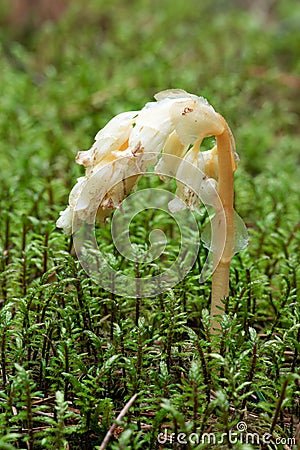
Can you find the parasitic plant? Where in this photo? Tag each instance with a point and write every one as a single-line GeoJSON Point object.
{"type": "Point", "coordinates": [167, 134]}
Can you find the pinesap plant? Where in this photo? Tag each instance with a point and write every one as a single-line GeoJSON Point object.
{"type": "Point", "coordinates": [166, 136]}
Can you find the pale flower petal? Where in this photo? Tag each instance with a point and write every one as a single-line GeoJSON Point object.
{"type": "Point", "coordinates": [108, 139]}
{"type": "Point", "coordinates": [151, 129]}
{"type": "Point", "coordinates": [117, 125]}
{"type": "Point", "coordinates": [208, 161]}
{"type": "Point", "coordinates": [132, 140]}
{"type": "Point", "coordinates": [76, 191]}
{"type": "Point", "coordinates": [65, 220]}
{"type": "Point", "coordinates": [195, 186]}
{"type": "Point", "coordinates": [171, 94]}
{"type": "Point", "coordinates": [106, 187]}
{"type": "Point", "coordinates": [168, 166]}
{"type": "Point", "coordinates": [154, 115]}
{"type": "Point", "coordinates": [85, 157]}
{"type": "Point", "coordinates": [188, 180]}
{"type": "Point", "coordinates": [194, 120]}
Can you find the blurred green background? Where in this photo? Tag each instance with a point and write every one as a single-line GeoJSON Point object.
{"type": "Point", "coordinates": [63, 78]}
{"type": "Point", "coordinates": [67, 67]}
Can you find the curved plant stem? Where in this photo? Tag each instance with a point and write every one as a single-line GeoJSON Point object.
{"type": "Point", "coordinates": [220, 279]}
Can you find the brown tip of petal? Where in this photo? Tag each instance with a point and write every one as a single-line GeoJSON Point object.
{"type": "Point", "coordinates": [83, 159]}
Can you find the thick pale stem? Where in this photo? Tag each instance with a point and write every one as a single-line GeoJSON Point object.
{"type": "Point", "coordinates": [220, 279]}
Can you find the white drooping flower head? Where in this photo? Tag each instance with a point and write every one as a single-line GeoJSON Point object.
{"type": "Point", "coordinates": [175, 124]}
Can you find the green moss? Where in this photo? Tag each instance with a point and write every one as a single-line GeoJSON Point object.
{"type": "Point", "coordinates": [60, 84]}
